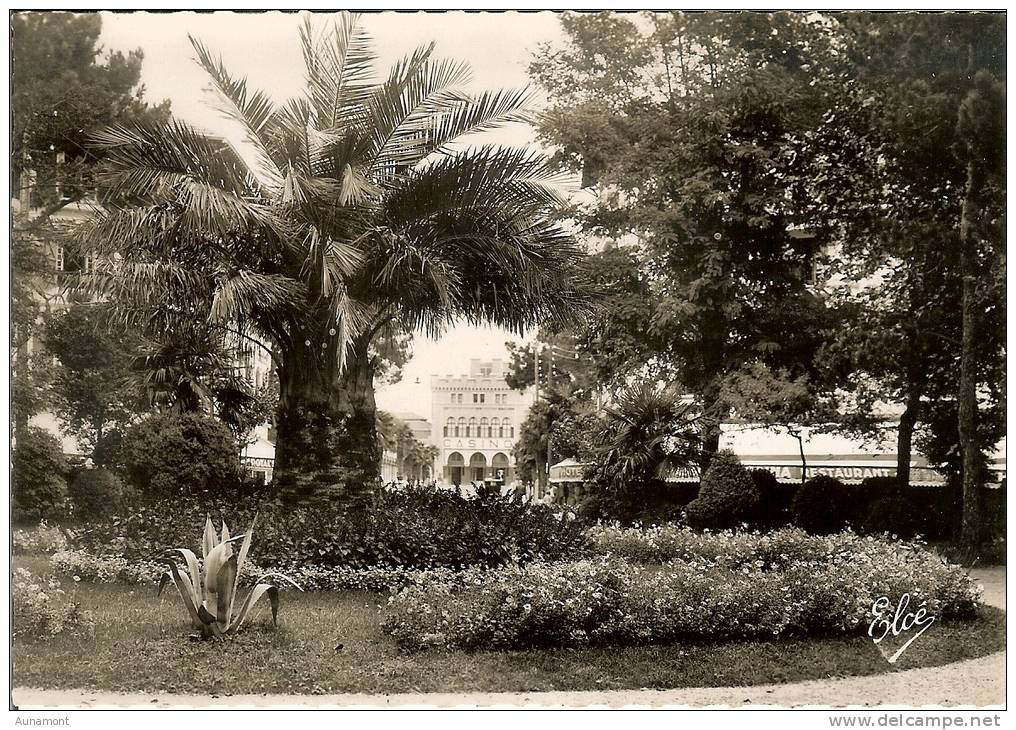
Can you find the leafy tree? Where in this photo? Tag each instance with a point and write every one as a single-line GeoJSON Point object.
{"type": "Point", "coordinates": [646, 432]}
{"type": "Point", "coordinates": [197, 370]}
{"type": "Point", "coordinates": [61, 89]}
{"type": "Point", "coordinates": [704, 161]}
{"type": "Point", "coordinates": [89, 387]}
{"type": "Point", "coordinates": [775, 400]}
{"type": "Point", "coordinates": [917, 188]}
{"type": "Point", "coordinates": [354, 218]}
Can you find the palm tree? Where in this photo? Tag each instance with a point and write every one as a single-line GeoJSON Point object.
{"type": "Point", "coordinates": [347, 216]}
{"type": "Point", "coordinates": [646, 432]}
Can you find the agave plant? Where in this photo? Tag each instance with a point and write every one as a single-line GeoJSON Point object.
{"type": "Point", "coordinates": [211, 601]}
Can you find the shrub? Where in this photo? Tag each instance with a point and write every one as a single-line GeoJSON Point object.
{"type": "Point", "coordinates": [79, 565]}
{"type": "Point", "coordinates": [415, 528]}
{"type": "Point", "coordinates": [894, 516]}
{"type": "Point", "coordinates": [96, 493]}
{"type": "Point", "coordinates": [41, 538]}
{"type": "Point", "coordinates": [773, 508]}
{"type": "Point", "coordinates": [37, 483]}
{"type": "Point", "coordinates": [40, 608]}
{"type": "Point", "coordinates": [611, 602]}
{"type": "Point", "coordinates": [654, 502]}
{"type": "Point", "coordinates": [182, 454]}
{"type": "Point", "coordinates": [727, 497]}
{"type": "Point", "coordinates": [822, 505]}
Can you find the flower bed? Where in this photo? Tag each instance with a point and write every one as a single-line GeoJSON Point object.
{"type": "Point", "coordinates": [610, 601]}
{"type": "Point", "coordinates": [737, 549]}
{"type": "Point", "coordinates": [41, 607]}
{"type": "Point", "coordinates": [41, 538]}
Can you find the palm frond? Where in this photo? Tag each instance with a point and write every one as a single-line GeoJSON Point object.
{"type": "Point", "coordinates": [246, 294]}
{"type": "Point", "coordinates": [173, 147]}
{"type": "Point", "coordinates": [339, 66]}
{"type": "Point", "coordinates": [253, 110]}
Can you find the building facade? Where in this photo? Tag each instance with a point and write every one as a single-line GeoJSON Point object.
{"type": "Point", "coordinates": [475, 421]}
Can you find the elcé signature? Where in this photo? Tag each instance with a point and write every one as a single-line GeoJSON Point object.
{"type": "Point", "coordinates": [898, 621]}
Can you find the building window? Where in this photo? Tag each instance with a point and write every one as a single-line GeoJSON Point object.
{"type": "Point", "coordinates": [482, 396]}
{"type": "Point", "coordinates": [511, 432]}
{"type": "Point", "coordinates": [471, 428]}
{"type": "Point", "coordinates": [449, 426]}
{"type": "Point", "coordinates": [461, 428]}
{"type": "Point", "coordinates": [484, 428]}
{"type": "Point", "coordinates": [500, 430]}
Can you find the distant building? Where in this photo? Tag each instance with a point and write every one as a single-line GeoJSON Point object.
{"type": "Point", "coordinates": [475, 421]}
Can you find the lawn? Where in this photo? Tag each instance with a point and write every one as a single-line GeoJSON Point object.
{"type": "Point", "coordinates": [331, 643]}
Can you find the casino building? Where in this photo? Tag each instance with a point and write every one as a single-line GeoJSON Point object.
{"type": "Point", "coordinates": [475, 421]}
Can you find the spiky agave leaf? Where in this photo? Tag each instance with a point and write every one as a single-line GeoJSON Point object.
{"type": "Point", "coordinates": [208, 540]}
{"type": "Point", "coordinates": [186, 591]}
{"type": "Point", "coordinates": [225, 585]}
{"type": "Point", "coordinates": [252, 598]}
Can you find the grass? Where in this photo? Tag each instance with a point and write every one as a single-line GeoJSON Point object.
{"type": "Point", "coordinates": [140, 643]}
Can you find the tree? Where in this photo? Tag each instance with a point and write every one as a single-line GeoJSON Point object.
{"type": "Point", "coordinates": [775, 400]}
{"type": "Point", "coordinates": [59, 92]}
{"type": "Point", "coordinates": [704, 161]}
{"type": "Point", "coordinates": [89, 388]}
{"type": "Point", "coordinates": [61, 89]}
{"type": "Point", "coordinates": [645, 433]}
{"type": "Point", "coordinates": [921, 197]}
{"type": "Point", "coordinates": [355, 217]}
{"type": "Point", "coordinates": [198, 370]}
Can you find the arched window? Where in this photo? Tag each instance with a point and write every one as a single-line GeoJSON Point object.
{"type": "Point", "coordinates": [449, 426]}
{"type": "Point", "coordinates": [460, 430]}
{"type": "Point", "coordinates": [500, 428]}
{"type": "Point", "coordinates": [471, 428]}
{"type": "Point", "coordinates": [511, 432]}
{"type": "Point", "coordinates": [484, 428]}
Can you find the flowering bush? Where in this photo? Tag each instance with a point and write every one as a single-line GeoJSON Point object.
{"type": "Point", "coordinates": [611, 601]}
{"type": "Point", "coordinates": [41, 609]}
{"type": "Point", "coordinates": [41, 538]}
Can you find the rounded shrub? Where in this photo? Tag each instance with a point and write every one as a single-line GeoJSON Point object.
{"type": "Point", "coordinates": [727, 495]}
{"type": "Point", "coordinates": [894, 516]}
{"type": "Point", "coordinates": [181, 453]}
{"type": "Point", "coordinates": [773, 509]}
{"type": "Point", "coordinates": [37, 483]}
{"type": "Point", "coordinates": [822, 505]}
{"type": "Point", "coordinates": [96, 493]}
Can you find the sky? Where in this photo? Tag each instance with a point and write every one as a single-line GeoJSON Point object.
{"type": "Point", "coordinates": [264, 48]}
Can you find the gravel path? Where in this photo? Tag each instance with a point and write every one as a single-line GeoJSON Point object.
{"type": "Point", "coordinates": [976, 682]}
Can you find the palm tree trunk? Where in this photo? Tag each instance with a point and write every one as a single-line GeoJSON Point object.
{"type": "Point", "coordinates": [327, 435]}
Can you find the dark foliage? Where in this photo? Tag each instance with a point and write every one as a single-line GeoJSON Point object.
{"type": "Point", "coordinates": [96, 493]}
{"type": "Point", "coordinates": [181, 453]}
{"type": "Point", "coordinates": [773, 510]}
{"type": "Point", "coordinates": [37, 483]}
{"type": "Point", "coordinates": [895, 516]}
{"type": "Point", "coordinates": [415, 528]}
{"type": "Point", "coordinates": [654, 503]}
{"type": "Point", "coordinates": [822, 505]}
{"type": "Point", "coordinates": [728, 496]}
